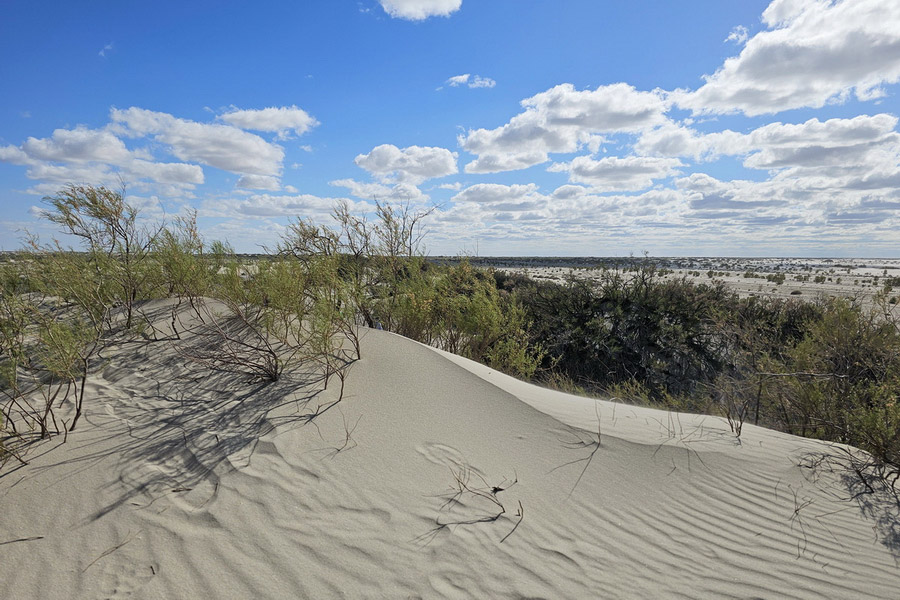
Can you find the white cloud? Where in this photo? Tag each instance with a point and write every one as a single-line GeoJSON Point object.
{"type": "Point", "coordinates": [614, 174]}
{"type": "Point", "coordinates": [473, 82]}
{"type": "Point", "coordinates": [567, 192]}
{"type": "Point", "coordinates": [78, 145]}
{"type": "Point", "coordinates": [738, 35]}
{"type": "Point", "coordinates": [813, 52]}
{"type": "Point", "coordinates": [497, 202]}
{"type": "Point", "coordinates": [101, 155]}
{"type": "Point", "coordinates": [14, 155]}
{"type": "Point", "coordinates": [221, 146]}
{"type": "Point", "coordinates": [96, 156]}
{"type": "Point", "coordinates": [773, 145]}
{"type": "Point", "coordinates": [458, 80]}
{"type": "Point", "coordinates": [105, 49]}
{"type": "Point", "coordinates": [562, 120]}
{"type": "Point", "coordinates": [418, 10]}
{"type": "Point", "coordinates": [66, 173]}
{"type": "Point", "coordinates": [798, 199]}
{"type": "Point", "coordinates": [267, 205]}
{"type": "Point", "coordinates": [412, 165]}
{"type": "Point", "coordinates": [482, 82]}
{"type": "Point", "coordinates": [672, 139]}
{"type": "Point", "coordinates": [445, 186]}
{"type": "Point", "coordinates": [835, 142]}
{"type": "Point", "coordinates": [283, 120]}
{"type": "Point", "coordinates": [495, 193]}
{"type": "Point", "coordinates": [258, 182]}
{"type": "Point", "coordinates": [403, 192]}
{"type": "Point", "coordinates": [171, 173]}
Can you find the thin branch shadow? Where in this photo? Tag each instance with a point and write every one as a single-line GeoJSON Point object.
{"type": "Point", "coordinates": [868, 484]}
{"type": "Point", "coordinates": [192, 426]}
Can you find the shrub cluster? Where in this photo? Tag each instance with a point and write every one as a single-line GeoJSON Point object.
{"type": "Point", "coordinates": [828, 369]}
{"type": "Point", "coordinates": [301, 303]}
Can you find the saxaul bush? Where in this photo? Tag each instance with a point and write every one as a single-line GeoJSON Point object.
{"type": "Point", "coordinates": [45, 357]}
{"type": "Point", "coordinates": [118, 245]}
{"type": "Point", "coordinates": [186, 266]}
{"type": "Point", "coordinates": [73, 304]}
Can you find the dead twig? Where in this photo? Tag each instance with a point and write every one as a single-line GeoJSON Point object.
{"type": "Point", "coordinates": [128, 539]}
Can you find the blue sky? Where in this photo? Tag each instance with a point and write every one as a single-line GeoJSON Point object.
{"type": "Point", "coordinates": [536, 128]}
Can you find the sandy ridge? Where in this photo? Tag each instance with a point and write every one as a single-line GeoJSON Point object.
{"type": "Point", "coordinates": [186, 485]}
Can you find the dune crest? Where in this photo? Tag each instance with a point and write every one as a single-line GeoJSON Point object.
{"type": "Point", "coordinates": [433, 477]}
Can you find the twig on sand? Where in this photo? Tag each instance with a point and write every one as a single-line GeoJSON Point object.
{"type": "Point", "coordinates": [587, 459]}
{"type": "Point", "coordinates": [128, 538]}
{"type": "Point", "coordinates": [488, 492]}
{"type": "Point", "coordinates": [798, 519]}
{"type": "Point", "coordinates": [349, 442]}
{"type": "Point", "coordinates": [28, 539]}
{"type": "Point", "coordinates": [519, 513]}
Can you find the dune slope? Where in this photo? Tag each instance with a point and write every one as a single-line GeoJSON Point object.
{"type": "Point", "coordinates": [433, 477]}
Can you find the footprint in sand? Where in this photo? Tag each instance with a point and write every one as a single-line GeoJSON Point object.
{"type": "Point", "coordinates": [447, 456]}
{"type": "Point", "coordinates": [120, 578]}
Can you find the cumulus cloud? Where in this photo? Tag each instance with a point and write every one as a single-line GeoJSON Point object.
{"type": "Point", "coordinates": [673, 139]}
{"type": "Point", "coordinates": [281, 119]}
{"type": "Point", "coordinates": [504, 213]}
{"type": "Point", "coordinates": [812, 52]}
{"type": "Point", "coordinates": [98, 156]}
{"type": "Point", "coordinates": [78, 145]}
{"type": "Point", "coordinates": [419, 10]}
{"type": "Point", "coordinates": [403, 192]}
{"type": "Point", "coordinates": [170, 173]}
{"type": "Point", "coordinates": [67, 173]}
{"type": "Point", "coordinates": [614, 174]}
{"type": "Point", "coordinates": [567, 192]}
{"type": "Point", "coordinates": [466, 79]}
{"type": "Point", "coordinates": [503, 202]}
{"type": "Point", "coordinates": [221, 146]}
{"type": "Point", "coordinates": [267, 205]}
{"type": "Point", "coordinates": [494, 193]}
{"type": "Point", "coordinates": [258, 182]}
{"type": "Point", "coordinates": [14, 155]}
{"type": "Point", "coordinates": [413, 165]}
{"type": "Point", "coordinates": [798, 199]}
{"type": "Point", "coordinates": [777, 144]}
{"type": "Point", "coordinates": [562, 120]}
{"type": "Point", "coordinates": [848, 143]}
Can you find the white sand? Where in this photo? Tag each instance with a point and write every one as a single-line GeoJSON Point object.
{"type": "Point", "coordinates": [183, 484]}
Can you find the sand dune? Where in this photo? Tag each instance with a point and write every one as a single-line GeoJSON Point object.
{"type": "Point", "coordinates": [434, 477]}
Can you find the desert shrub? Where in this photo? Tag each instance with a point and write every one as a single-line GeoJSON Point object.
{"type": "Point", "coordinates": [829, 369]}
{"type": "Point", "coordinates": [625, 327]}
{"type": "Point", "coordinates": [375, 274]}
{"type": "Point", "coordinates": [45, 355]}
{"type": "Point", "coordinates": [118, 244]}
{"type": "Point", "coordinates": [475, 320]}
{"type": "Point", "coordinates": [179, 252]}
{"type": "Point", "coordinates": [845, 379]}
{"type": "Point", "coordinates": [632, 391]}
